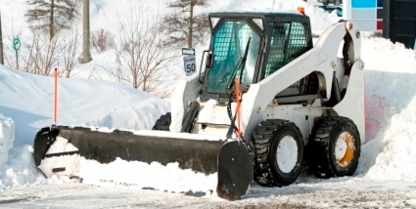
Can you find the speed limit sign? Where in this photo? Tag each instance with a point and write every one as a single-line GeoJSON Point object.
{"type": "Point", "coordinates": [189, 65]}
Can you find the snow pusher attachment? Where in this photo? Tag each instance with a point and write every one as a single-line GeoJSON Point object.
{"type": "Point", "coordinates": [104, 147]}
{"type": "Point", "coordinates": [292, 94]}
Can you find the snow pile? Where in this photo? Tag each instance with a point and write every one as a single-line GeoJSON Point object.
{"type": "Point", "coordinates": [390, 110]}
{"type": "Point", "coordinates": [139, 117]}
{"type": "Point", "coordinates": [64, 167]}
{"type": "Point", "coordinates": [27, 98]}
{"type": "Point", "coordinates": [7, 128]}
{"type": "Point", "coordinates": [134, 174]}
{"type": "Point", "coordinates": [142, 175]}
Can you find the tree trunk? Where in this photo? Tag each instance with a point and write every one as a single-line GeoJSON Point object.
{"type": "Point", "coordinates": [86, 50]}
{"type": "Point", "coordinates": [51, 28]}
{"type": "Point", "coordinates": [191, 23]}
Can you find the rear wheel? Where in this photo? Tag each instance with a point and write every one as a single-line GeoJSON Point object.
{"type": "Point", "coordinates": [335, 147]}
{"type": "Point", "coordinates": [278, 148]}
{"type": "Point", "coordinates": [163, 123]}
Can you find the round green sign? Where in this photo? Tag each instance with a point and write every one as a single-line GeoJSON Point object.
{"type": "Point", "coordinates": [16, 43]}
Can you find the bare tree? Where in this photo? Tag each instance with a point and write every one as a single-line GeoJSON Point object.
{"type": "Point", "coordinates": [43, 54]}
{"type": "Point", "coordinates": [184, 26]}
{"type": "Point", "coordinates": [102, 40]}
{"type": "Point", "coordinates": [142, 61]}
{"type": "Point", "coordinates": [69, 51]}
{"type": "Point", "coordinates": [52, 15]}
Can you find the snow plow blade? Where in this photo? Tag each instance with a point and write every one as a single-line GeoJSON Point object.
{"type": "Point", "coordinates": [198, 154]}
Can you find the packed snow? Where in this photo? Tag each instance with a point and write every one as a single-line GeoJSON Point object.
{"type": "Point", "coordinates": [384, 178]}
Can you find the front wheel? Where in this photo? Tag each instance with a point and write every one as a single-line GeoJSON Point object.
{"type": "Point", "coordinates": [278, 148]}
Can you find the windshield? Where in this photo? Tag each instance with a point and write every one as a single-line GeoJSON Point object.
{"type": "Point", "coordinates": [228, 47]}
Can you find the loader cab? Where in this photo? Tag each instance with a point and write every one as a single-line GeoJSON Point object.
{"type": "Point", "coordinates": [252, 46]}
{"type": "Point", "coordinates": [235, 48]}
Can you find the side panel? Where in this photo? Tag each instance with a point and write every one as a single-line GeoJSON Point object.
{"type": "Point", "coordinates": [302, 116]}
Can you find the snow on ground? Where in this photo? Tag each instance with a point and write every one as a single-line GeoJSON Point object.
{"type": "Point", "coordinates": [384, 178]}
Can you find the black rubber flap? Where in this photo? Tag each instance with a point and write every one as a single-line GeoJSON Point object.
{"type": "Point", "coordinates": [235, 170]}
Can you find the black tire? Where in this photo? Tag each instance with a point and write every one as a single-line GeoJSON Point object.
{"type": "Point", "coordinates": [323, 146]}
{"type": "Point", "coordinates": [163, 123]}
{"type": "Point", "coordinates": [266, 138]}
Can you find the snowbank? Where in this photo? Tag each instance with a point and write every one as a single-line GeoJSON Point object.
{"type": "Point", "coordinates": [7, 129]}
{"type": "Point", "coordinates": [27, 98]}
{"type": "Point", "coordinates": [390, 112]}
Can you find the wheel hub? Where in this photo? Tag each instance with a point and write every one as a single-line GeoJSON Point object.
{"type": "Point", "coordinates": [344, 149]}
{"type": "Point", "coordinates": [287, 154]}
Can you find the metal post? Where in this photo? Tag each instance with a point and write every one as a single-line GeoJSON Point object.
{"type": "Point", "coordinates": [86, 54]}
{"type": "Point", "coordinates": [386, 19]}
{"type": "Point", "coordinates": [55, 96]}
{"type": "Point", "coordinates": [17, 60]}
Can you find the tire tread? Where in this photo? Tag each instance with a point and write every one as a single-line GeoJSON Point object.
{"type": "Point", "coordinates": [163, 123]}
{"type": "Point", "coordinates": [262, 137]}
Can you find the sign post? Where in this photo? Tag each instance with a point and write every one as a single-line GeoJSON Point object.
{"type": "Point", "coordinates": [16, 46]}
{"type": "Point", "coordinates": [189, 62]}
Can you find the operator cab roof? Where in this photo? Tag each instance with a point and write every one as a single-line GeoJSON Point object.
{"type": "Point", "coordinates": [265, 15]}
{"type": "Point", "coordinates": [260, 18]}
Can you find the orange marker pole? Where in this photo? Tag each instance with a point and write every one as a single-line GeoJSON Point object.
{"type": "Point", "coordinates": [237, 99]}
{"type": "Point", "coordinates": [55, 96]}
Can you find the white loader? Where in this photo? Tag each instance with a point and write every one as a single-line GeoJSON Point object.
{"type": "Point", "coordinates": [264, 95]}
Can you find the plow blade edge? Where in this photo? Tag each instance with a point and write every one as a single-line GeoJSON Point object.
{"type": "Point", "coordinates": [197, 154]}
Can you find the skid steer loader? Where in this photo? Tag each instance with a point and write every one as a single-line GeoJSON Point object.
{"type": "Point", "coordinates": [263, 95]}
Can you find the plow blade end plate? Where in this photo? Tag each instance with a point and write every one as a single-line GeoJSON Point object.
{"type": "Point", "coordinates": [235, 170]}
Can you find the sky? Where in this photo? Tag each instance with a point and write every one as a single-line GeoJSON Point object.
{"type": "Point", "coordinates": [382, 178]}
